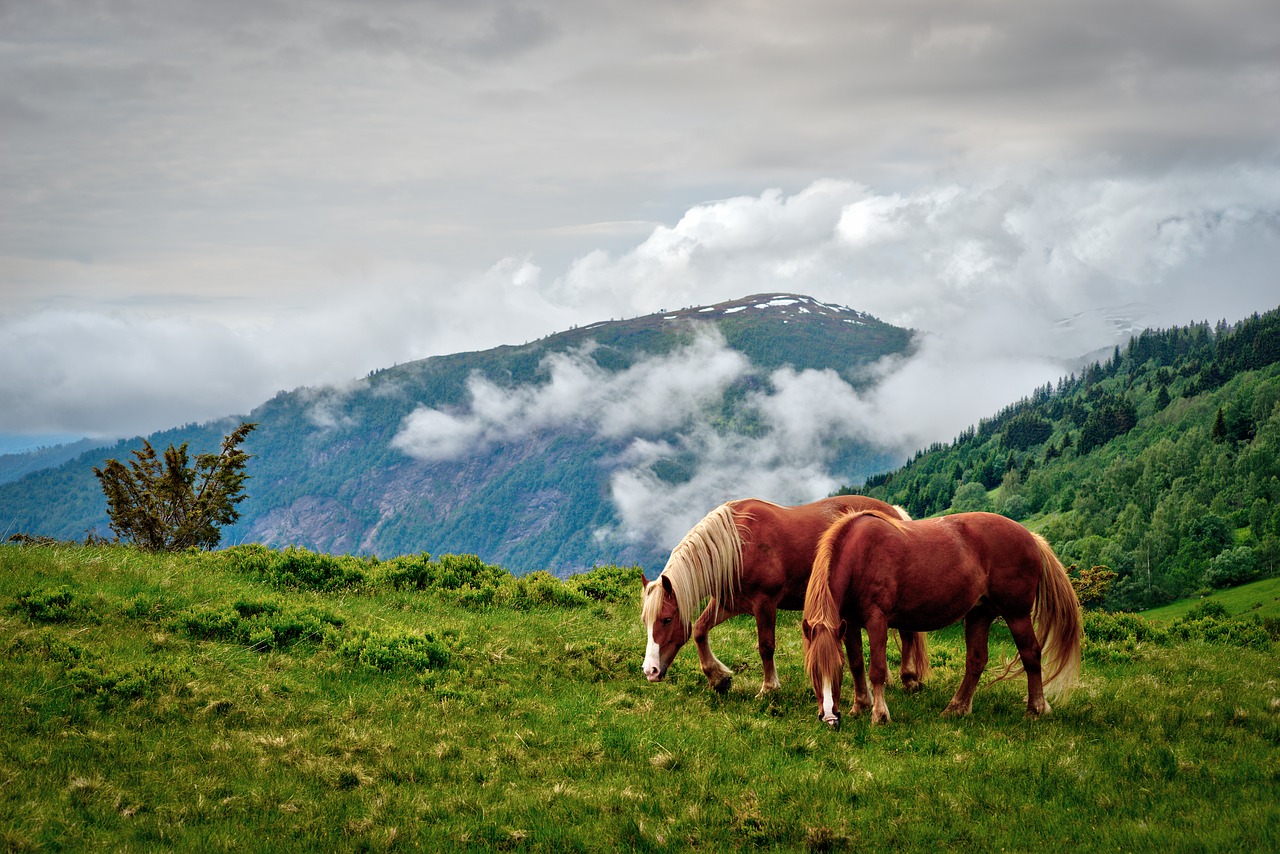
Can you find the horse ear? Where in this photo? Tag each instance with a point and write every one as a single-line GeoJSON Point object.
{"type": "Point", "coordinates": [844, 627]}
{"type": "Point", "coordinates": [666, 584]}
{"type": "Point", "coordinates": [806, 630]}
{"type": "Point", "coordinates": [644, 582]}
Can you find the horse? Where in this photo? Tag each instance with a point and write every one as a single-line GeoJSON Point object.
{"type": "Point", "coordinates": [748, 556]}
{"type": "Point", "coordinates": [881, 572]}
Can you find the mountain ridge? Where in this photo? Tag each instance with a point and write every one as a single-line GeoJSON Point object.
{"type": "Point", "coordinates": [328, 474]}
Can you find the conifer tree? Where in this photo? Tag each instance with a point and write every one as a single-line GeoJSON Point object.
{"type": "Point", "coordinates": [169, 505]}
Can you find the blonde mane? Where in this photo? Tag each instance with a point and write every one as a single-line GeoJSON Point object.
{"type": "Point", "coordinates": [707, 562]}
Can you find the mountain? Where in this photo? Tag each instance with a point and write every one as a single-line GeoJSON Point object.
{"type": "Point", "coordinates": [1161, 462]}
{"type": "Point", "coordinates": [513, 453]}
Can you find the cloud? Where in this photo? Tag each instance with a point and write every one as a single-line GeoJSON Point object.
{"type": "Point", "coordinates": [653, 396]}
{"type": "Point", "coordinates": [1039, 245]}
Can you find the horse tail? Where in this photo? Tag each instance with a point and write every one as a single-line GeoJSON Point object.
{"type": "Point", "coordinates": [918, 662]}
{"type": "Point", "coordinates": [1057, 613]}
{"type": "Point", "coordinates": [823, 652]}
{"type": "Point", "coordinates": [1059, 626]}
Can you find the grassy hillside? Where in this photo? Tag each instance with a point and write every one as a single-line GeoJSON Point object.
{"type": "Point", "coordinates": [259, 700]}
{"type": "Point", "coordinates": [1260, 599]}
{"type": "Point", "coordinates": [1162, 463]}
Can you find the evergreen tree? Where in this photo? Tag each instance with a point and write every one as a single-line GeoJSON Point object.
{"type": "Point", "coordinates": [170, 506]}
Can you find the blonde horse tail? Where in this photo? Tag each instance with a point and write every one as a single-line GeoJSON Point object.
{"type": "Point", "coordinates": [820, 608]}
{"type": "Point", "coordinates": [919, 659]}
{"type": "Point", "coordinates": [1057, 614]}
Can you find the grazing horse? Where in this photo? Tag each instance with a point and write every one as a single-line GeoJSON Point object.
{"type": "Point", "coordinates": [881, 572]}
{"type": "Point", "coordinates": [748, 556]}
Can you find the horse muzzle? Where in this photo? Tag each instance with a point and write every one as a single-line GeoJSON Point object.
{"type": "Point", "coordinates": [832, 720]}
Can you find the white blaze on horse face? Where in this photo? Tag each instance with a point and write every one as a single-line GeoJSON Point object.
{"type": "Point", "coordinates": [652, 664]}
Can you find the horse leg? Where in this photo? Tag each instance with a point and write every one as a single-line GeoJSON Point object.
{"type": "Point", "coordinates": [977, 626]}
{"type": "Point", "coordinates": [878, 641]}
{"type": "Point", "coordinates": [910, 679]}
{"type": "Point", "coordinates": [853, 651]}
{"type": "Point", "coordinates": [720, 677]}
{"type": "Point", "coordinates": [766, 622]}
{"type": "Point", "coordinates": [1024, 635]}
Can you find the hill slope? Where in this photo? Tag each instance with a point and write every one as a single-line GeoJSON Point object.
{"type": "Point", "coordinates": [512, 454]}
{"type": "Point", "coordinates": [1163, 462]}
{"type": "Point", "coordinates": [193, 702]}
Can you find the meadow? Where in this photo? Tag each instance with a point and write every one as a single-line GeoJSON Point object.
{"type": "Point", "coordinates": [258, 700]}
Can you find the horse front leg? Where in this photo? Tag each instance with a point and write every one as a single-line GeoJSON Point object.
{"type": "Point", "coordinates": [977, 626]}
{"type": "Point", "coordinates": [858, 668]}
{"type": "Point", "coordinates": [766, 625]}
{"type": "Point", "coordinates": [878, 642]}
{"type": "Point", "coordinates": [720, 677]}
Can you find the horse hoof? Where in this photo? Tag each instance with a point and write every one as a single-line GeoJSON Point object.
{"type": "Point", "coordinates": [723, 686]}
{"type": "Point", "coordinates": [911, 686]}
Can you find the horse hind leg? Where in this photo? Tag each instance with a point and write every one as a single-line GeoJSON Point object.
{"type": "Point", "coordinates": [1024, 635]}
{"type": "Point", "coordinates": [720, 676]}
{"type": "Point", "coordinates": [977, 627]}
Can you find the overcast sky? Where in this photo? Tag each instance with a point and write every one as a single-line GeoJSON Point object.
{"type": "Point", "coordinates": [204, 203]}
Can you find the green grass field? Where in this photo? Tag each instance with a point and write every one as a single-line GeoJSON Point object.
{"type": "Point", "coordinates": [1260, 597]}
{"type": "Point", "coordinates": [172, 702]}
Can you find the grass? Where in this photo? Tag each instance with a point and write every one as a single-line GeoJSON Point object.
{"type": "Point", "coordinates": [1259, 597]}
{"type": "Point", "coordinates": [129, 723]}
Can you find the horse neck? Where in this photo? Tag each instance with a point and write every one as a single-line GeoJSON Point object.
{"type": "Point", "coordinates": [707, 562]}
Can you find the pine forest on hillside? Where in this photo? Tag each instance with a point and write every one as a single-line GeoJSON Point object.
{"type": "Point", "coordinates": [1161, 463]}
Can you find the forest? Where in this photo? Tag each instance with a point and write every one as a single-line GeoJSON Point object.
{"type": "Point", "coordinates": [1161, 463]}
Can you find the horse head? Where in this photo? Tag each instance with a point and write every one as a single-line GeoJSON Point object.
{"type": "Point", "coordinates": [667, 630]}
{"type": "Point", "coordinates": [824, 661]}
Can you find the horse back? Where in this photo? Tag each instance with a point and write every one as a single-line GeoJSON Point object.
{"type": "Point", "coordinates": [927, 574]}
{"type": "Point", "coordinates": [779, 543]}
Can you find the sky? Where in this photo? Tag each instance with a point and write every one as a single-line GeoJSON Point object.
{"type": "Point", "coordinates": [202, 204]}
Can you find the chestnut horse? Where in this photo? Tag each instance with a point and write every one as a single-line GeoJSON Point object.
{"type": "Point", "coordinates": [748, 556]}
{"type": "Point", "coordinates": [881, 572]}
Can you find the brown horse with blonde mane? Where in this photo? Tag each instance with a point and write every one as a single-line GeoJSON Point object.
{"type": "Point", "coordinates": [875, 570]}
{"type": "Point", "coordinates": [749, 556]}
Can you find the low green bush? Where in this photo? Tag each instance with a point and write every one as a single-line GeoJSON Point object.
{"type": "Point", "coordinates": [391, 651]}
{"type": "Point", "coordinates": [261, 624]}
{"type": "Point", "coordinates": [58, 605]}
{"type": "Point", "coordinates": [609, 583]}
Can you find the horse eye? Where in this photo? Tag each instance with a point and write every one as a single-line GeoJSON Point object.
{"type": "Point", "coordinates": [666, 621]}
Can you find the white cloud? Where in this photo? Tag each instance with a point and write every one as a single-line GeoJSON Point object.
{"type": "Point", "coordinates": [654, 395]}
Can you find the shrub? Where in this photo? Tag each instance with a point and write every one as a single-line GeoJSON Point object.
{"type": "Point", "coordinates": [1207, 608]}
{"type": "Point", "coordinates": [608, 583]}
{"type": "Point", "coordinates": [1242, 632]}
{"type": "Point", "coordinates": [1101, 626]}
{"type": "Point", "coordinates": [261, 624]}
{"type": "Point", "coordinates": [298, 568]}
{"type": "Point", "coordinates": [415, 571]}
{"type": "Point", "coordinates": [390, 651]}
{"type": "Point", "coordinates": [1232, 567]}
{"type": "Point", "coordinates": [540, 588]}
{"type": "Point", "coordinates": [46, 606]}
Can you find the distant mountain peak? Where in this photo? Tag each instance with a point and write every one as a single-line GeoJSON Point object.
{"type": "Point", "coordinates": [776, 304]}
